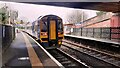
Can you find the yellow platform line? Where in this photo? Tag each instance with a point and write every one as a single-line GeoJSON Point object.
{"type": "Point", "coordinates": [32, 54]}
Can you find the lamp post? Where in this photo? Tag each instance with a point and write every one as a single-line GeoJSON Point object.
{"type": "Point", "coordinates": [9, 17]}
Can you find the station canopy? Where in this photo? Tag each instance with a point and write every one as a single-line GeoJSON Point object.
{"type": "Point", "coordinates": [100, 6]}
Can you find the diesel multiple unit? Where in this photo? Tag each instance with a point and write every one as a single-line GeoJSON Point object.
{"type": "Point", "coordinates": [49, 30]}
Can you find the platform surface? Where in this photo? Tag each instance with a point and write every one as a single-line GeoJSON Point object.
{"type": "Point", "coordinates": [95, 39]}
{"type": "Point", "coordinates": [24, 52]}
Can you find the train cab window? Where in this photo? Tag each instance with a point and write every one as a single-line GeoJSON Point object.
{"type": "Point", "coordinates": [60, 26]}
{"type": "Point", "coordinates": [44, 26]}
{"type": "Point", "coordinates": [45, 23]}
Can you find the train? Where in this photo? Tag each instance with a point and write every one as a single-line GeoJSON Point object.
{"type": "Point", "coordinates": [49, 31]}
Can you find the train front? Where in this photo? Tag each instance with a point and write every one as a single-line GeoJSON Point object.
{"type": "Point", "coordinates": [51, 31]}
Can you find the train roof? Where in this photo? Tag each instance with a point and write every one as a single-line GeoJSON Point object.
{"type": "Point", "coordinates": [40, 17]}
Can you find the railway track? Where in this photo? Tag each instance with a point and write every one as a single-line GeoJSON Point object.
{"type": "Point", "coordinates": [66, 60]}
{"type": "Point", "coordinates": [111, 60]}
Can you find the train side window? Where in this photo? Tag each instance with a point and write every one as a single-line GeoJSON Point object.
{"type": "Point", "coordinates": [60, 26]}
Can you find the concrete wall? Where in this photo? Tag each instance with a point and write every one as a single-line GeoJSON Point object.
{"type": "Point", "coordinates": [95, 21]}
{"type": "Point", "coordinates": [115, 21]}
{"type": "Point", "coordinates": [8, 34]}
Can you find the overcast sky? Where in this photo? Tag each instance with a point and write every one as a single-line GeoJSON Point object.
{"type": "Point", "coordinates": [31, 12]}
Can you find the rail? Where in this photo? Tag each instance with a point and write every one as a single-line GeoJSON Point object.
{"type": "Point", "coordinates": [67, 60]}
{"type": "Point", "coordinates": [102, 56]}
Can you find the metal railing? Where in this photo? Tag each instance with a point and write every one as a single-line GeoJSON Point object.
{"type": "Point", "coordinates": [109, 33]}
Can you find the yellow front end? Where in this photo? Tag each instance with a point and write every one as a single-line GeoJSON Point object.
{"type": "Point", "coordinates": [43, 37]}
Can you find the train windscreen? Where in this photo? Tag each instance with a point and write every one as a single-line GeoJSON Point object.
{"type": "Point", "coordinates": [44, 27]}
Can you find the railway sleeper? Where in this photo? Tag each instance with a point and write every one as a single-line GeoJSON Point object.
{"type": "Point", "coordinates": [64, 59]}
{"type": "Point", "coordinates": [117, 63]}
{"type": "Point", "coordinates": [111, 59]}
{"type": "Point", "coordinates": [98, 55]}
{"type": "Point", "coordinates": [66, 62]}
{"type": "Point", "coordinates": [59, 57]}
{"type": "Point", "coordinates": [92, 53]}
{"type": "Point", "coordinates": [72, 65]}
{"type": "Point", "coordinates": [114, 61]}
{"type": "Point", "coordinates": [104, 57]}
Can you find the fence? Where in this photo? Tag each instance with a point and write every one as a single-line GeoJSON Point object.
{"type": "Point", "coordinates": [0, 38]}
{"type": "Point", "coordinates": [8, 35]}
{"type": "Point", "coordinates": [109, 33]}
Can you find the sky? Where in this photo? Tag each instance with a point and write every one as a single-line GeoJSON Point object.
{"type": "Point", "coordinates": [30, 12]}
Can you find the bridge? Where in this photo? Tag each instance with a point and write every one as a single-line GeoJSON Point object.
{"type": "Point", "coordinates": [100, 6]}
{"type": "Point", "coordinates": [84, 47]}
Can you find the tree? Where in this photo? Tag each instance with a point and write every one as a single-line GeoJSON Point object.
{"type": "Point", "coordinates": [100, 13]}
{"type": "Point", "coordinates": [3, 14]}
{"type": "Point", "coordinates": [7, 15]}
{"type": "Point", "coordinates": [76, 16]}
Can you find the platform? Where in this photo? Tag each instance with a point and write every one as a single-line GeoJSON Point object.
{"type": "Point", "coordinates": [26, 52]}
{"type": "Point", "coordinates": [95, 39]}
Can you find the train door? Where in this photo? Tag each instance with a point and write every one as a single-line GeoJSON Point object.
{"type": "Point", "coordinates": [52, 32]}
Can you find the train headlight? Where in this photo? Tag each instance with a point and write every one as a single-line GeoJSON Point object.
{"type": "Point", "coordinates": [59, 42]}
{"type": "Point", "coordinates": [59, 33]}
{"type": "Point", "coordinates": [43, 33]}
